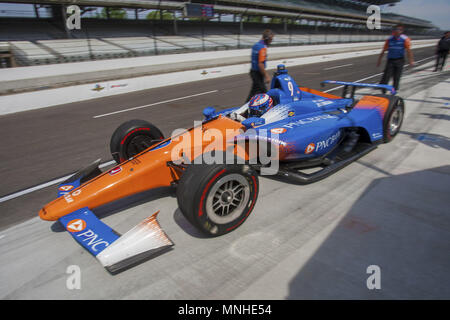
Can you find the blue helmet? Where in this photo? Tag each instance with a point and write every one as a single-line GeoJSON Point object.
{"type": "Point", "coordinates": [259, 104]}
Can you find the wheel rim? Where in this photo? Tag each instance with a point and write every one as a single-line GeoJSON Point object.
{"type": "Point", "coordinates": [138, 144]}
{"type": "Point", "coordinates": [227, 199]}
{"type": "Point", "coordinates": [395, 121]}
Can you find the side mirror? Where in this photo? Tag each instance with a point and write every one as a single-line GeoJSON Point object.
{"type": "Point", "coordinates": [253, 122]}
{"type": "Point", "coordinates": [209, 112]}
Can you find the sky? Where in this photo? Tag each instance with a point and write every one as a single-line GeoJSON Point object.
{"type": "Point", "coordinates": [436, 11]}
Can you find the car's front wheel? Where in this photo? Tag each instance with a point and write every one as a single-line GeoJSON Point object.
{"type": "Point", "coordinates": [133, 137]}
{"type": "Point", "coordinates": [217, 198]}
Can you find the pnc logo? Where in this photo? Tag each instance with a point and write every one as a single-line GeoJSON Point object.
{"type": "Point", "coordinates": [278, 130]}
{"type": "Point", "coordinates": [310, 148]}
{"type": "Point", "coordinates": [65, 188]}
{"type": "Point", "coordinates": [76, 225]}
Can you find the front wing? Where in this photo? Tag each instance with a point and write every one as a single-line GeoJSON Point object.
{"type": "Point", "coordinates": [116, 252]}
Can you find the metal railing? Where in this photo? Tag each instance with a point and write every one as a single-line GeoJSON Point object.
{"type": "Point", "coordinates": [40, 52]}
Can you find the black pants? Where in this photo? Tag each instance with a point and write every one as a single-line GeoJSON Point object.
{"type": "Point", "coordinates": [258, 85]}
{"type": "Point", "coordinates": [440, 58]}
{"type": "Point", "coordinates": [394, 68]}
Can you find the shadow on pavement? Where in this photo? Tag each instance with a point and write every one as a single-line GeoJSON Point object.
{"type": "Point", "coordinates": [402, 225]}
{"type": "Point", "coordinates": [437, 116]}
{"type": "Point", "coordinates": [424, 101]}
{"type": "Point", "coordinates": [186, 226]}
{"type": "Point", "coordinates": [442, 98]}
{"type": "Point", "coordinates": [431, 140]}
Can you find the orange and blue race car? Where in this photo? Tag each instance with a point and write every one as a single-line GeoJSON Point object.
{"type": "Point", "coordinates": [215, 165]}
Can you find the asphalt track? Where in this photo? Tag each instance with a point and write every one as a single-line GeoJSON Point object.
{"type": "Point", "coordinates": [388, 209]}
{"type": "Point", "coordinates": [41, 145]}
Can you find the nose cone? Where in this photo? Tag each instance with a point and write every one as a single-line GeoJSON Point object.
{"type": "Point", "coordinates": [56, 209]}
{"type": "Point", "coordinates": [43, 214]}
{"type": "Point", "coordinates": [48, 215]}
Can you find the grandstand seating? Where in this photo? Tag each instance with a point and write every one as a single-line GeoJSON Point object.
{"type": "Point", "coordinates": [45, 40]}
{"type": "Point", "coordinates": [70, 50]}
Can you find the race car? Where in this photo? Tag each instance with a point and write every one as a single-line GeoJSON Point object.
{"type": "Point", "coordinates": [216, 180]}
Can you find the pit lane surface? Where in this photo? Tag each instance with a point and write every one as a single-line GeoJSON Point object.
{"type": "Point", "coordinates": [41, 145]}
{"type": "Point", "coordinates": [388, 209]}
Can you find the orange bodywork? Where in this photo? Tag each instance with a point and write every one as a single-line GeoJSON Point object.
{"type": "Point", "coordinates": [320, 93]}
{"type": "Point", "coordinates": [372, 102]}
{"type": "Point", "coordinates": [145, 171]}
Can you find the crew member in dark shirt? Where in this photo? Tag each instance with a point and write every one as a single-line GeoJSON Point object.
{"type": "Point", "coordinates": [258, 71]}
{"type": "Point", "coordinates": [442, 51]}
{"type": "Point", "coordinates": [396, 45]}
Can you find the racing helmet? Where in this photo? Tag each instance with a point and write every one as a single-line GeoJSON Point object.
{"type": "Point", "coordinates": [259, 104]}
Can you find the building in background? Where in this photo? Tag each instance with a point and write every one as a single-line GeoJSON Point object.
{"type": "Point", "coordinates": [35, 32]}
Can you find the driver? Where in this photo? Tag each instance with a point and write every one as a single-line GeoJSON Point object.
{"type": "Point", "coordinates": [256, 107]}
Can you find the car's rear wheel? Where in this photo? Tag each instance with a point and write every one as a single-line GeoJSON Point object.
{"type": "Point", "coordinates": [133, 137]}
{"type": "Point", "coordinates": [217, 198]}
{"type": "Point", "coordinates": [393, 118]}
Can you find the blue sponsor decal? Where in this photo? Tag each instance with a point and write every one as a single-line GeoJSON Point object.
{"type": "Point", "coordinates": [88, 230]}
{"type": "Point", "coordinates": [64, 189]}
{"type": "Point", "coordinates": [377, 135]}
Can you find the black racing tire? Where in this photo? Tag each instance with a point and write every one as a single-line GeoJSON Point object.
{"type": "Point", "coordinates": [393, 118]}
{"type": "Point", "coordinates": [133, 137]}
{"type": "Point", "coordinates": [217, 198]}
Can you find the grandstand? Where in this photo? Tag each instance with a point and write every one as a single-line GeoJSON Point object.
{"type": "Point", "coordinates": [37, 34]}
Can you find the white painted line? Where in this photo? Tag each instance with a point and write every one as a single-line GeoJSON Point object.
{"type": "Point", "coordinates": [332, 89]}
{"type": "Point", "coordinates": [375, 75]}
{"type": "Point", "coordinates": [154, 104]}
{"type": "Point", "coordinates": [101, 166]}
{"type": "Point", "coordinates": [46, 184]}
{"type": "Point", "coordinates": [32, 189]}
{"type": "Point", "coordinates": [425, 59]}
{"type": "Point", "coordinates": [2, 236]}
{"type": "Point", "coordinates": [341, 66]}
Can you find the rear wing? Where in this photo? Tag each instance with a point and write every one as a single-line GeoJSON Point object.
{"type": "Point", "coordinates": [355, 85]}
